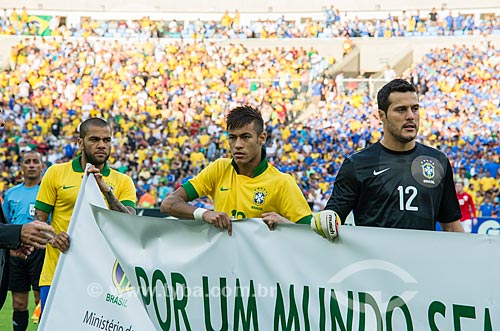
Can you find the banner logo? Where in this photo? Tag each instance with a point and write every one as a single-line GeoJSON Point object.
{"type": "Point", "coordinates": [120, 280]}
{"type": "Point", "coordinates": [373, 267]}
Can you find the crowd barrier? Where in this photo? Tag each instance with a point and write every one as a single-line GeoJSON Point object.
{"type": "Point", "coordinates": [484, 225]}
{"type": "Point", "coordinates": [487, 225]}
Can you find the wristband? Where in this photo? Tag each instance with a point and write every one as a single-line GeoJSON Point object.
{"type": "Point", "coordinates": [198, 213]}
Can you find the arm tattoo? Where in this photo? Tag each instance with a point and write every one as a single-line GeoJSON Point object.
{"type": "Point", "coordinates": [172, 205]}
{"type": "Point", "coordinates": [41, 216]}
{"type": "Point", "coordinates": [115, 204]}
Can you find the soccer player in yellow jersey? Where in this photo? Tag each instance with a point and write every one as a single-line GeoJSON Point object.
{"type": "Point", "coordinates": [246, 186]}
{"type": "Point", "coordinates": [61, 184]}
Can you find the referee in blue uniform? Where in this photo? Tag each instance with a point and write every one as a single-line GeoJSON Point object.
{"type": "Point", "coordinates": [19, 208]}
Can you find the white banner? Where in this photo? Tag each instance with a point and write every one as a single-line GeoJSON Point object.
{"type": "Point", "coordinates": [90, 290]}
{"type": "Point", "coordinates": [191, 276]}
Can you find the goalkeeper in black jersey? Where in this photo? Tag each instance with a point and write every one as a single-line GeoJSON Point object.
{"type": "Point", "coordinates": [397, 182]}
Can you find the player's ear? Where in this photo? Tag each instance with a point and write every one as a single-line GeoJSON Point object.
{"type": "Point", "coordinates": [262, 138]}
{"type": "Point", "coordinates": [79, 141]}
{"type": "Point", "coordinates": [382, 115]}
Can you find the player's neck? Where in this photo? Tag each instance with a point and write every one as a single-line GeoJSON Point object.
{"type": "Point", "coordinates": [31, 182]}
{"type": "Point", "coordinates": [397, 146]}
{"type": "Point", "coordinates": [83, 163]}
{"type": "Point", "coordinates": [248, 170]}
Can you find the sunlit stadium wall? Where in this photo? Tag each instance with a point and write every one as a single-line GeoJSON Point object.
{"type": "Point", "coordinates": [184, 13]}
{"type": "Point", "coordinates": [254, 6]}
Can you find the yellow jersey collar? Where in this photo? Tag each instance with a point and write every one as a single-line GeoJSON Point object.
{"type": "Point", "coordinates": [260, 168]}
{"type": "Point", "coordinates": [77, 166]}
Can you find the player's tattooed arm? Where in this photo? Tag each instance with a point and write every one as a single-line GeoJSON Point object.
{"type": "Point", "coordinates": [171, 205]}
{"type": "Point", "coordinates": [41, 216]}
{"type": "Point", "coordinates": [115, 204]}
{"type": "Point", "coordinates": [176, 204]}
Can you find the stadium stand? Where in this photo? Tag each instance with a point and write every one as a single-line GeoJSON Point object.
{"type": "Point", "coordinates": [330, 24]}
{"type": "Point", "coordinates": [167, 97]}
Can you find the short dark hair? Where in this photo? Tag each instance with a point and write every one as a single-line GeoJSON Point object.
{"type": "Point", "coordinates": [94, 121]}
{"type": "Point", "coordinates": [242, 115]}
{"type": "Point", "coordinates": [395, 85]}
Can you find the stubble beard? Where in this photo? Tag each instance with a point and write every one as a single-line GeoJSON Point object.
{"type": "Point", "coordinates": [93, 160]}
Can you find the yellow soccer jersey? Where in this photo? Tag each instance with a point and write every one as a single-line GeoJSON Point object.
{"type": "Point", "coordinates": [243, 197]}
{"type": "Point", "coordinates": [57, 195]}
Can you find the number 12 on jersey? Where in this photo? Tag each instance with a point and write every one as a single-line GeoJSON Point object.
{"type": "Point", "coordinates": [406, 196]}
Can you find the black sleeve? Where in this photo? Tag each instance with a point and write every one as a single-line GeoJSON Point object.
{"type": "Point", "coordinates": [10, 235]}
{"type": "Point", "coordinates": [345, 192]}
{"type": "Point", "coordinates": [449, 210]}
{"type": "Point", "coordinates": [4, 275]}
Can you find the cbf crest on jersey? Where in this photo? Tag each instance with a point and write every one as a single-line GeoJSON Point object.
{"type": "Point", "coordinates": [428, 169]}
{"type": "Point", "coordinates": [259, 196]}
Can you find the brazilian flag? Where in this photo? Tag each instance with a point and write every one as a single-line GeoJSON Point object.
{"type": "Point", "coordinates": [42, 24]}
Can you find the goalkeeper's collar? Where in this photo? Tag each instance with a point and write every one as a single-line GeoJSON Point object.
{"type": "Point", "coordinates": [263, 165]}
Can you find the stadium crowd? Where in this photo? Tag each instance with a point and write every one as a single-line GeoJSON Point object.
{"type": "Point", "coordinates": [159, 97]}
{"type": "Point", "coordinates": [167, 102]}
{"type": "Point", "coordinates": [333, 24]}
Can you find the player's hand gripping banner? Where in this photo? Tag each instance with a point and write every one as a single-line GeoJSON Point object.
{"type": "Point", "coordinates": [90, 290]}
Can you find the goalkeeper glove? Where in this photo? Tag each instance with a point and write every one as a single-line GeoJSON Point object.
{"type": "Point", "coordinates": [325, 223]}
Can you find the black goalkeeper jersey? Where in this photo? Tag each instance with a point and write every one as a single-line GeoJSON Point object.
{"type": "Point", "coordinates": [408, 190]}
